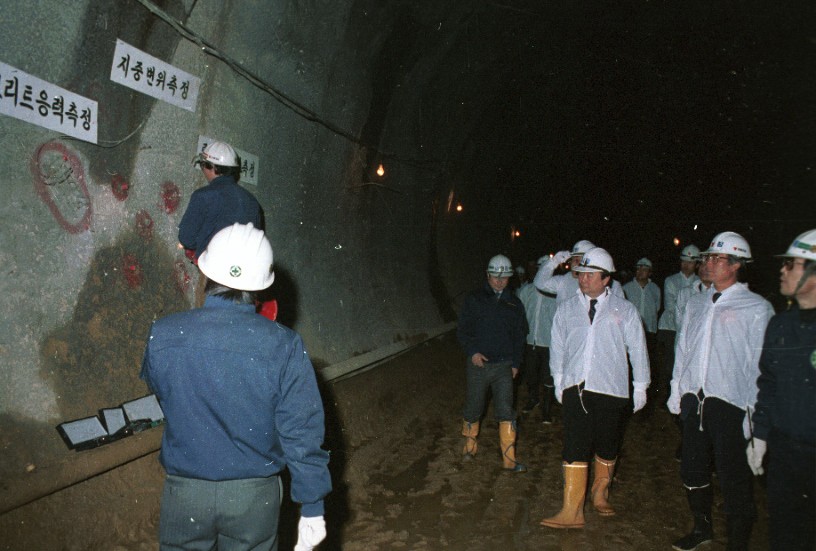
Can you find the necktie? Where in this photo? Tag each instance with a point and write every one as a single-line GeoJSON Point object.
{"type": "Point", "coordinates": [716, 297]}
{"type": "Point", "coordinates": [592, 304]}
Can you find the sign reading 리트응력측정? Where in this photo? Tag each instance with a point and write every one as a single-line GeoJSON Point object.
{"type": "Point", "coordinates": [30, 99]}
{"type": "Point", "coordinates": [249, 162]}
{"type": "Point", "coordinates": [144, 73]}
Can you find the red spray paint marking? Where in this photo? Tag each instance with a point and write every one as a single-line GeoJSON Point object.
{"type": "Point", "coordinates": [132, 271]}
{"type": "Point", "coordinates": [120, 187]}
{"type": "Point", "coordinates": [183, 279]}
{"type": "Point", "coordinates": [171, 197]}
{"type": "Point", "coordinates": [69, 171]}
{"type": "Point", "coordinates": [144, 225]}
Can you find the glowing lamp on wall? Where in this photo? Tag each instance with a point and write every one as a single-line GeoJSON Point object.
{"type": "Point", "coordinates": [459, 207]}
{"type": "Point", "coordinates": [380, 171]}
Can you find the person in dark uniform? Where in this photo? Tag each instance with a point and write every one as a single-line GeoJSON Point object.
{"type": "Point", "coordinates": [784, 421]}
{"type": "Point", "coordinates": [492, 330]}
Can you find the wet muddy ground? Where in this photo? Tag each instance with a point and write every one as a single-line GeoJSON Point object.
{"type": "Point", "coordinates": [400, 483]}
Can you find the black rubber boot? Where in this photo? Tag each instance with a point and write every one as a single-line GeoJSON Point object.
{"type": "Point", "coordinates": [700, 503]}
{"type": "Point", "coordinates": [739, 532]}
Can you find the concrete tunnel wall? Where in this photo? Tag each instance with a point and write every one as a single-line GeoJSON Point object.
{"type": "Point", "coordinates": [88, 232]}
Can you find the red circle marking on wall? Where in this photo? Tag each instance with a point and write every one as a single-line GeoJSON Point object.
{"type": "Point", "coordinates": [43, 184]}
{"type": "Point", "coordinates": [171, 197]}
{"type": "Point", "coordinates": [182, 277]}
{"type": "Point", "coordinates": [120, 187]}
{"type": "Point", "coordinates": [132, 270]}
{"type": "Point", "coordinates": [144, 225]}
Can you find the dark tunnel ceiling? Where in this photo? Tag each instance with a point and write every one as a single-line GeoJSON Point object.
{"type": "Point", "coordinates": [627, 112]}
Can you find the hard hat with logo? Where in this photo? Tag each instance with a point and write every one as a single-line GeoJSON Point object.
{"type": "Point", "coordinates": [596, 260]}
{"type": "Point", "coordinates": [690, 252]}
{"type": "Point", "coordinates": [500, 266]}
{"type": "Point", "coordinates": [581, 247]}
{"type": "Point", "coordinates": [804, 246]}
{"type": "Point", "coordinates": [239, 257]}
{"type": "Point", "coordinates": [644, 262]}
{"type": "Point", "coordinates": [219, 153]}
{"type": "Point", "coordinates": [730, 243]}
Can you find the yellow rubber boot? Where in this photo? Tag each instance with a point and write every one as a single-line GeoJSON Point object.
{"type": "Point", "coordinates": [470, 431]}
{"type": "Point", "coordinates": [602, 478]}
{"type": "Point", "coordinates": [571, 514]}
{"type": "Point", "coordinates": [507, 443]}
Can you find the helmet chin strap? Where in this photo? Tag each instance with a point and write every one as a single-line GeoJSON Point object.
{"type": "Point", "coordinates": [809, 271]}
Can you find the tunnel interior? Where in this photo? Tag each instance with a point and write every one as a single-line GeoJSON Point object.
{"type": "Point", "coordinates": [640, 125]}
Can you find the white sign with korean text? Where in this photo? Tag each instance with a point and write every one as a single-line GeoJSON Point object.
{"type": "Point", "coordinates": [144, 73]}
{"type": "Point", "coordinates": [33, 100]}
{"type": "Point", "coordinates": [249, 162]}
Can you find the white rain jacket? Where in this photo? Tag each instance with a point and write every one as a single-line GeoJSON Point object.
{"type": "Point", "coordinates": [672, 287]}
{"type": "Point", "coordinates": [540, 310]}
{"type": "Point", "coordinates": [564, 287]}
{"type": "Point", "coordinates": [719, 344]}
{"type": "Point", "coordinates": [597, 353]}
{"type": "Point", "coordinates": [646, 300]}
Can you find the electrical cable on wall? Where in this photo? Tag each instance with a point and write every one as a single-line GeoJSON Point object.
{"type": "Point", "coordinates": [256, 81]}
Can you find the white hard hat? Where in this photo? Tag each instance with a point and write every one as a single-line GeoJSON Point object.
{"type": "Point", "coordinates": [730, 243]}
{"type": "Point", "coordinates": [690, 252]}
{"type": "Point", "coordinates": [239, 257]}
{"type": "Point", "coordinates": [219, 153]}
{"type": "Point", "coordinates": [596, 260]}
{"type": "Point", "coordinates": [500, 266]}
{"type": "Point", "coordinates": [581, 247]}
{"type": "Point", "coordinates": [804, 246]}
{"type": "Point", "coordinates": [644, 262]}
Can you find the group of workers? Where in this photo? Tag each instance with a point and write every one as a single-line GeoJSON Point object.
{"type": "Point", "coordinates": [740, 379]}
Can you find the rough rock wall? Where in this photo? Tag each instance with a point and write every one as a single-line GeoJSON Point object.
{"type": "Point", "coordinates": [88, 232]}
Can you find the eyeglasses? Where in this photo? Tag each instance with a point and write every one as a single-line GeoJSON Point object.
{"type": "Point", "coordinates": [714, 258]}
{"type": "Point", "coordinates": [789, 263]}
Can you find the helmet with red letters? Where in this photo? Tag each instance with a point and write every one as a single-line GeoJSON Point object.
{"type": "Point", "coordinates": [730, 243]}
{"type": "Point", "coordinates": [690, 252]}
{"type": "Point", "coordinates": [219, 153]}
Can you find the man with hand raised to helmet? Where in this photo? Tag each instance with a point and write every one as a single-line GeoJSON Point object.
{"type": "Point", "coordinates": [595, 335]}
{"type": "Point", "coordinates": [713, 389]}
{"type": "Point", "coordinates": [241, 401]}
{"type": "Point", "coordinates": [565, 286]}
{"type": "Point", "coordinates": [785, 417]}
{"type": "Point", "coordinates": [492, 331]}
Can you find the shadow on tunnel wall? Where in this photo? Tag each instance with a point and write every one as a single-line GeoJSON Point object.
{"type": "Point", "coordinates": [93, 361]}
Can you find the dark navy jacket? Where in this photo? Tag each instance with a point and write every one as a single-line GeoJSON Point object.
{"type": "Point", "coordinates": [219, 204]}
{"type": "Point", "coordinates": [495, 328]}
{"type": "Point", "coordinates": [240, 398]}
{"type": "Point", "coordinates": [787, 380]}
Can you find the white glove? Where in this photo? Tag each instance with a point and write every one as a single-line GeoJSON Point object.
{"type": "Point", "coordinates": [640, 399]}
{"type": "Point", "coordinates": [561, 256]}
{"type": "Point", "coordinates": [747, 431]}
{"type": "Point", "coordinates": [755, 454]}
{"type": "Point", "coordinates": [673, 402]}
{"type": "Point", "coordinates": [311, 531]}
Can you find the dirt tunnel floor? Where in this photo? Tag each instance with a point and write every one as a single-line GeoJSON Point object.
{"type": "Point", "coordinates": [400, 483]}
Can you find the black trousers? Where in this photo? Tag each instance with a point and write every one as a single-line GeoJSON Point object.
{"type": "Point", "coordinates": [717, 435]}
{"type": "Point", "coordinates": [591, 424]}
{"type": "Point", "coordinates": [791, 493]}
{"type": "Point", "coordinates": [537, 369]}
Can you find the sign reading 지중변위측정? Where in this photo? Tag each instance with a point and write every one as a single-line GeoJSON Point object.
{"type": "Point", "coordinates": [30, 99]}
{"type": "Point", "coordinates": [149, 75]}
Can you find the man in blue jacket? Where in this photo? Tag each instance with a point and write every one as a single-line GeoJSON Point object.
{"type": "Point", "coordinates": [785, 416]}
{"type": "Point", "coordinates": [241, 402]}
{"type": "Point", "coordinates": [492, 331]}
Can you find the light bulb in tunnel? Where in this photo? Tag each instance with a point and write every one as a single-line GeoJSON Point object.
{"type": "Point", "coordinates": [517, 233]}
{"type": "Point", "coordinates": [676, 241]}
{"type": "Point", "coordinates": [380, 171]}
{"type": "Point", "coordinates": [459, 207]}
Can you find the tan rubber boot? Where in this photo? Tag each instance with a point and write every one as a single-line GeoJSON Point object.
{"type": "Point", "coordinates": [470, 431]}
{"type": "Point", "coordinates": [507, 443]}
{"type": "Point", "coordinates": [604, 469]}
{"type": "Point", "coordinates": [571, 514]}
